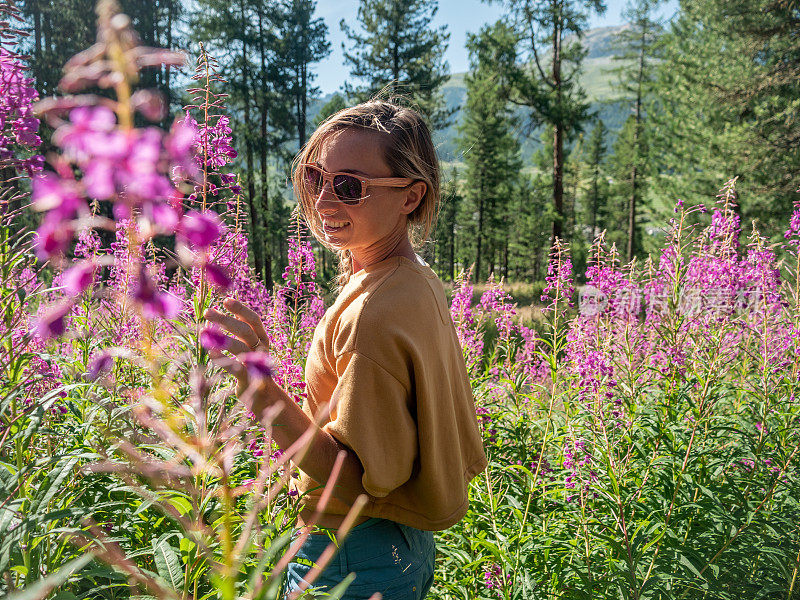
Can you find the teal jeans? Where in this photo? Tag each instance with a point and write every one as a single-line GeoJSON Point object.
{"type": "Point", "coordinates": [387, 557]}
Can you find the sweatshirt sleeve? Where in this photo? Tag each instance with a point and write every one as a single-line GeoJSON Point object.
{"type": "Point", "coordinates": [372, 416]}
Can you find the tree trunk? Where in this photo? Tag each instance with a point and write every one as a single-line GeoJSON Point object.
{"type": "Point", "coordinates": [167, 69]}
{"type": "Point", "coordinates": [452, 249]}
{"type": "Point", "coordinates": [395, 49]}
{"type": "Point", "coordinates": [595, 193]}
{"type": "Point", "coordinates": [258, 251]}
{"type": "Point", "coordinates": [301, 120]}
{"type": "Point", "coordinates": [263, 149]}
{"type": "Point", "coordinates": [504, 268]}
{"type": "Point", "coordinates": [479, 240]}
{"type": "Point", "coordinates": [636, 135]}
{"type": "Point", "coordinates": [37, 32]}
{"type": "Point", "coordinates": [558, 140]}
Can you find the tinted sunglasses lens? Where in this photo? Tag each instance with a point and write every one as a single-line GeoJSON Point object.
{"type": "Point", "coordinates": [313, 178]}
{"type": "Point", "coordinates": [347, 188]}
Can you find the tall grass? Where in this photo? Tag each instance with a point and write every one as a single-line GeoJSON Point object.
{"type": "Point", "coordinates": [642, 435]}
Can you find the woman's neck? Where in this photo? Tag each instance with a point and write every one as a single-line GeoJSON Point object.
{"type": "Point", "coordinates": [395, 246]}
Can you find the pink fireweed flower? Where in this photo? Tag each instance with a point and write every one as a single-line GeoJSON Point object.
{"type": "Point", "coordinates": [230, 252]}
{"type": "Point", "coordinates": [301, 262]}
{"type": "Point", "coordinates": [78, 278]}
{"type": "Point", "coordinates": [51, 193]}
{"type": "Point", "coordinates": [52, 238]}
{"type": "Point", "coordinates": [212, 338]}
{"type": "Point", "coordinates": [793, 233]}
{"type": "Point", "coordinates": [180, 146]}
{"type": "Point", "coordinates": [98, 178]}
{"type": "Point", "coordinates": [559, 286]}
{"type": "Point", "coordinates": [201, 229]}
{"type": "Point", "coordinates": [18, 126]}
{"type": "Point", "coordinates": [217, 275]}
{"type": "Point", "coordinates": [258, 364]}
{"type": "Point", "coordinates": [53, 322]}
{"type": "Point", "coordinates": [495, 299]}
{"type": "Point", "coordinates": [101, 363]}
{"type": "Point", "coordinates": [494, 580]}
{"type": "Point", "coordinates": [87, 131]}
{"type": "Point", "coordinates": [88, 244]}
{"type": "Point", "coordinates": [154, 302]}
{"type": "Point", "coordinates": [467, 326]}
{"type": "Point", "coordinates": [163, 215]}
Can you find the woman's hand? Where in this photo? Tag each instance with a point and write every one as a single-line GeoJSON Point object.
{"type": "Point", "coordinates": [245, 325]}
{"type": "Point", "coordinates": [246, 339]}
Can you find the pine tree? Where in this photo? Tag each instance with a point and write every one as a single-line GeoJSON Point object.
{"type": "Point", "coordinates": [594, 202]}
{"type": "Point", "coordinates": [58, 31]}
{"type": "Point", "coordinates": [638, 44]}
{"type": "Point", "coordinates": [305, 42]}
{"type": "Point", "coordinates": [443, 250]}
{"type": "Point", "coordinates": [535, 217]}
{"type": "Point", "coordinates": [333, 105]}
{"type": "Point", "coordinates": [728, 91]}
{"type": "Point", "coordinates": [544, 76]}
{"type": "Point", "coordinates": [628, 150]}
{"type": "Point", "coordinates": [396, 48]}
{"type": "Point", "coordinates": [489, 148]}
{"type": "Point", "coordinates": [222, 25]}
{"type": "Point", "coordinates": [767, 95]}
{"type": "Point", "coordinates": [61, 29]}
{"type": "Point", "coordinates": [245, 35]}
{"type": "Point", "coordinates": [158, 24]}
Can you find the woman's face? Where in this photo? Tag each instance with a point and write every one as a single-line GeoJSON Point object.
{"type": "Point", "coordinates": [371, 230]}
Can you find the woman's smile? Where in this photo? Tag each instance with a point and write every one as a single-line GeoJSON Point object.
{"type": "Point", "coordinates": [333, 226]}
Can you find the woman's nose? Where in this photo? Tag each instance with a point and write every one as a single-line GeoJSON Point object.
{"type": "Point", "coordinates": [326, 199]}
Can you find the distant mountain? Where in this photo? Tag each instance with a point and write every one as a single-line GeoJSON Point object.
{"type": "Point", "coordinates": [597, 79]}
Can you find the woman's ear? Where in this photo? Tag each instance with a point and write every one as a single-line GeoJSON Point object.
{"type": "Point", "coordinates": [414, 195]}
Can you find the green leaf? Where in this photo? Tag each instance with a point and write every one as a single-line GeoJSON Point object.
{"type": "Point", "coordinates": [341, 588]}
{"type": "Point", "coordinates": [44, 586]}
{"type": "Point", "coordinates": [167, 562]}
{"type": "Point", "coordinates": [684, 560]}
{"type": "Point", "coordinates": [181, 504]}
{"type": "Point", "coordinates": [54, 484]}
{"type": "Point", "coordinates": [276, 545]}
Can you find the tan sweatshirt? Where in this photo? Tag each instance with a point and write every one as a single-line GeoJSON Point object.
{"type": "Point", "coordinates": [387, 353]}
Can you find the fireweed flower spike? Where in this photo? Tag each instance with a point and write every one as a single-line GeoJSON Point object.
{"type": "Point", "coordinates": [212, 338]}
{"type": "Point", "coordinates": [217, 276]}
{"type": "Point", "coordinates": [101, 156]}
{"type": "Point", "coordinates": [201, 229]}
{"type": "Point", "coordinates": [100, 364]}
{"type": "Point", "coordinates": [78, 278]}
{"type": "Point", "coordinates": [53, 322]}
{"type": "Point", "coordinates": [18, 127]}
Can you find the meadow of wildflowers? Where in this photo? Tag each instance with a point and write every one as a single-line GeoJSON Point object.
{"type": "Point", "coordinates": [645, 443]}
{"type": "Point", "coordinates": [643, 436]}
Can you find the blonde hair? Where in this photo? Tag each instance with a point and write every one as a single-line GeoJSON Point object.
{"type": "Point", "coordinates": [408, 150]}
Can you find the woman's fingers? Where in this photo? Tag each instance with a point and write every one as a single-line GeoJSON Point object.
{"type": "Point", "coordinates": [235, 326]}
{"type": "Point", "coordinates": [250, 316]}
{"type": "Point", "coordinates": [236, 347]}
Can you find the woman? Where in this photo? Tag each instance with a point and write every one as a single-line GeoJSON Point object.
{"type": "Point", "coordinates": [384, 361]}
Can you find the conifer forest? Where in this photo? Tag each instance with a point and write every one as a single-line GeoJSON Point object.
{"type": "Point", "coordinates": [619, 240]}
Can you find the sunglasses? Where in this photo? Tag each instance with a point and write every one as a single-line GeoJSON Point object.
{"type": "Point", "coordinates": [349, 189]}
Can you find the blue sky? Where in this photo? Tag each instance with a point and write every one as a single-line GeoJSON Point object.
{"type": "Point", "coordinates": [460, 16]}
